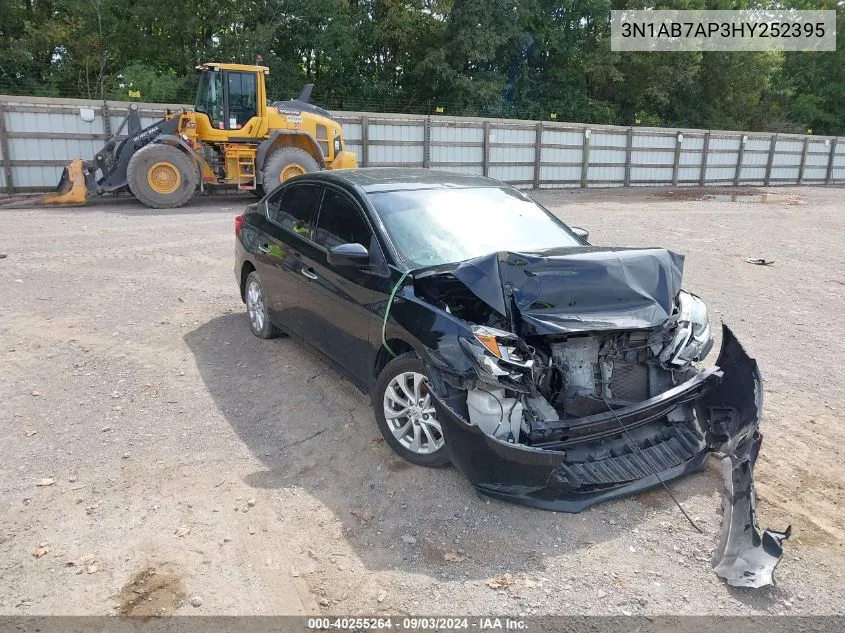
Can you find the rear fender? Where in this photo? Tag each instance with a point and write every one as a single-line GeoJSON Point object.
{"type": "Point", "coordinates": [282, 138]}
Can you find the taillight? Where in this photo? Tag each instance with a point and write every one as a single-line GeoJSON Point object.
{"type": "Point", "coordinates": [239, 222]}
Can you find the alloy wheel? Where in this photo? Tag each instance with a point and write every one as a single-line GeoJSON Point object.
{"type": "Point", "coordinates": [255, 305]}
{"type": "Point", "coordinates": [410, 414]}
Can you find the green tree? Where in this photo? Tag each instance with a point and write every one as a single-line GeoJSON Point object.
{"type": "Point", "coordinates": [814, 83]}
{"type": "Point", "coordinates": [512, 58]}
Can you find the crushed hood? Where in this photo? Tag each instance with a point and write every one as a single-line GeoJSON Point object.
{"type": "Point", "coordinates": [577, 289]}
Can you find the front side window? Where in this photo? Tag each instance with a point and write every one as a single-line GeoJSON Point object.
{"type": "Point", "coordinates": [292, 207]}
{"type": "Point", "coordinates": [340, 222]}
{"type": "Point", "coordinates": [210, 97]}
{"type": "Point", "coordinates": [242, 96]}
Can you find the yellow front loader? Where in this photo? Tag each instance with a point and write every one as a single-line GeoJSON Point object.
{"type": "Point", "coordinates": [233, 137]}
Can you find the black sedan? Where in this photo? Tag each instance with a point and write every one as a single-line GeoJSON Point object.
{"type": "Point", "coordinates": [492, 336]}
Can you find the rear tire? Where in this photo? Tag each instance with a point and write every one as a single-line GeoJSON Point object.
{"type": "Point", "coordinates": [256, 308]}
{"type": "Point", "coordinates": [162, 176]}
{"type": "Point", "coordinates": [285, 163]}
{"type": "Point", "coordinates": [416, 436]}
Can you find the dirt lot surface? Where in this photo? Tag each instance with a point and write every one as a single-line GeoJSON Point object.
{"type": "Point", "coordinates": [158, 458]}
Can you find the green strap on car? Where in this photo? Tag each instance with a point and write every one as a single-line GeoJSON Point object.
{"type": "Point", "coordinates": [387, 313]}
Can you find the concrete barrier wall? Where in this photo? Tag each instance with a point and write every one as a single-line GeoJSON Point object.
{"type": "Point", "coordinates": [38, 136]}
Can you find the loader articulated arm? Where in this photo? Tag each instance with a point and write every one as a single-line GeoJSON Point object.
{"type": "Point", "coordinates": [79, 178]}
{"type": "Point", "coordinates": [105, 157]}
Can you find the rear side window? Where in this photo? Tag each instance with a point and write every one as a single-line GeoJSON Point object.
{"type": "Point", "coordinates": [341, 222]}
{"type": "Point", "coordinates": [292, 207]}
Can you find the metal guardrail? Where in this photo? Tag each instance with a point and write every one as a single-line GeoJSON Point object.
{"type": "Point", "coordinates": [39, 135]}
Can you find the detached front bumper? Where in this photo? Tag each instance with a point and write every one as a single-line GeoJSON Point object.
{"type": "Point", "coordinates": [595, 463]}
{"type": "Point", "coordinates": [598, 461]}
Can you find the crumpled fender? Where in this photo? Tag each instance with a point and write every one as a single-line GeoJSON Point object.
{"type": "Point", "coordinates": [745, 557]}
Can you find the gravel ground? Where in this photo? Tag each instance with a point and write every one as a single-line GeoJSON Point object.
{"type": "Point", "coordinates": [157, 458]}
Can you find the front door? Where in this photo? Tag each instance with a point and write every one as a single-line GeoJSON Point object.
{"type": "Point", "coordinates": [337, 300]}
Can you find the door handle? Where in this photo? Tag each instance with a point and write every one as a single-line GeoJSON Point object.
{"type": "Point", "coordinates": [308, 273]}
{"type": "Point", "coordinates": [264, 249]}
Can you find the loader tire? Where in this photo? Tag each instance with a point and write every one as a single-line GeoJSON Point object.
{"type": "Point", "coordinates": [162, 176]}
{"type": "Point", "coordinates": [285, 163]}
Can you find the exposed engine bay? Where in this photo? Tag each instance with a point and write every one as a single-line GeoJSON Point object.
{"type": "Point", "coordinates": [558, 379]}
{"type": "Point", "coordinates": [530, 389]}
{"type": "Point", "coordinates": [586, 364]}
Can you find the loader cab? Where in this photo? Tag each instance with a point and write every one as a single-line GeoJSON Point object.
{"type": "Point", "coordinates": [233, 97]}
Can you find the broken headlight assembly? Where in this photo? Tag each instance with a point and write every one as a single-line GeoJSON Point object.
{"type": "Point", "coordinates": [692, 340]}
{"type": "Point", "coordinates": [499, 357]}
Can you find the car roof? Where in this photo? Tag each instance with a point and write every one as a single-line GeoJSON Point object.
{"type": "Point", "coordinates": [375, 179]}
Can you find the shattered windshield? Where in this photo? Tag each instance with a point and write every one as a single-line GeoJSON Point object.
{"type": "Point", "coordinates": [439, 226]}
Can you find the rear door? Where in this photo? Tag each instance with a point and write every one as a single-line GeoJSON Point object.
{"type": "Point", "coordinates": [290, 214]}
{"type": "Point", "coordinates": [337, 301]}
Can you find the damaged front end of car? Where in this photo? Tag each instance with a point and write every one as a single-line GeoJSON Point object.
{"type": "Point", "coordinates": [575, 380]}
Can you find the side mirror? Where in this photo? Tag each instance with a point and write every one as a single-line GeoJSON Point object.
{"type": "Point", "coordinates": [348, 255]}
{"type": "Point", "coordinates": [581, 234]}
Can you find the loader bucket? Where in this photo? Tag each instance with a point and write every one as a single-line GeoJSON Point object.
{"type": "Point", "coordinates": [72, 188]}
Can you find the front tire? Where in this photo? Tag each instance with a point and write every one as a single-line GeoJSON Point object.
{"type": "Point", "coordinates": [256, 308]}
{"type": "Point", "coordinates": [405, 414]}
{"type": "Point", "coordinates": [161, 176]}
